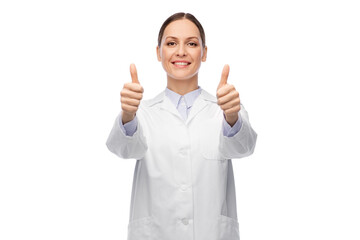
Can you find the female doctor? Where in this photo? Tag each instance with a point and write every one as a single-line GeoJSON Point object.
{"type": "Point", "coordinates": [183, 140]}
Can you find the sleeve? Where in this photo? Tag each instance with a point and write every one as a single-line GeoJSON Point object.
{"type": "Point", "coordinates": [242, 143]}
{"type": "Point", "coordinates": [126, 146]}
{"type": "Point", "coordinates": [229, 131]}
{"type": "Point", "coordinates": [129, 128]}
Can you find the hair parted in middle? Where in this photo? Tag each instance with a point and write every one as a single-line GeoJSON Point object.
{"type": "Point", "coordinates": [179, 16]}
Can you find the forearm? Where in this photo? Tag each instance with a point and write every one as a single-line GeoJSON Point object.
{"type": "Point", "coordinates": [126, 146]}
{"type": "Point", "coordinates": [242, 143]}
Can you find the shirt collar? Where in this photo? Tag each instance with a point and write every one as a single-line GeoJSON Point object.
{"type": "Point", "coordinates": [189, 98]}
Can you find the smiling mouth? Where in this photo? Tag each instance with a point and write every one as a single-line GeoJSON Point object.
{"type": "Point", "coordinates": [181, 64]}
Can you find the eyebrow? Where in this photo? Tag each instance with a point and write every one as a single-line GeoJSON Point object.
{"type": "Point", "coordinates": [178, 38]}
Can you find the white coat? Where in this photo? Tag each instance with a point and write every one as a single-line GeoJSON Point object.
{"type": "Point", "coordinates": [183, 186]}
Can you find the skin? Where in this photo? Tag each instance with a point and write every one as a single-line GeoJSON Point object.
{"type": "Point", "coordinates": [181, 42]}
{"type": "Point", "coordinates": [228, 98]}
{"type": "Point", "coordinates": [131, 94]}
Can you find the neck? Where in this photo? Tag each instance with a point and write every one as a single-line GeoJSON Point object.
{"type": "Point", "coordinates": [183, 86]}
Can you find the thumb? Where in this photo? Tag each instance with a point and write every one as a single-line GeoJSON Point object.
{"type": "Point", "coordinates": [224, 76]}
{"type": "Point", "coordinates": [133, 74]}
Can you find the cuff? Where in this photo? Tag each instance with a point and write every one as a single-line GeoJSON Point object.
{"type": "Point", "coordinates": [129, 128]}
{"type": "Point", "coordinates": [229, 131]}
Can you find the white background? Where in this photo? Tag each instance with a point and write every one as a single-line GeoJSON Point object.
{"type": "Point", "coordinates": [63, 63]}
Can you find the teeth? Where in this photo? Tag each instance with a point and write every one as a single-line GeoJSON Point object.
{"type": "Point", "coordinates": [181, 63]}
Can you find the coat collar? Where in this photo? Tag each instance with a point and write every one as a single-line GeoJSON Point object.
{"type": "Point", "coordinates": [165, 103]}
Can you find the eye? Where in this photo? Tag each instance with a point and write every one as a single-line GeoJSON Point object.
{"type": "Point", "coordinates": [171, 43]}
{"type": "Point", "coordinates": [192, 44]}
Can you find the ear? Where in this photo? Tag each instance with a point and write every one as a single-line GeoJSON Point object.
{"type": "Point", "coordinates": [203, 59]}
{"type": "Point", "coordinates": [158, 53]}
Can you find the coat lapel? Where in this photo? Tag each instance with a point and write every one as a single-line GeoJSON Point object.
{"type": "Point", "coordinates": [170, 107]}
{"type": "Point", "coordinates": [200, 103]}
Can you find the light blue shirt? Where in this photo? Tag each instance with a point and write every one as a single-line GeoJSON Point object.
{"type": "Point", "coordinates": [129, 128]}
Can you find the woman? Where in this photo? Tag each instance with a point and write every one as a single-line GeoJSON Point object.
{"type": "Point", "coordinates": [183, 140]}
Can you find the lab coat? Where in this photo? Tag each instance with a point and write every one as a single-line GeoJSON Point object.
{"type": "Point", "coordinates": [183, 186]}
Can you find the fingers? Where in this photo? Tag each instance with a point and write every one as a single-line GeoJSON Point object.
{"type": "Point", "coordinates": [232, 103]}
{"type": "Point", "coordinates": [224, 76]}
{"type": "Point", "coordinates": [129, 109]}
{"type": "Point", "coordinates": [131, 95]}
{"type": "Point", "coordinates": [130, 101]}
{"type": "Point", "coordinates": [228, 97]}
{"type": "Point", "coordinates": [225, 90]}
{"type": "Point", "coordinates": [135, 87]}
{"type": "Point", "coordinates": [126, 93]}
{"type": "Point", "coordinates": [133, 73]}
{"type": "Point", "coordinates": [232, 111]}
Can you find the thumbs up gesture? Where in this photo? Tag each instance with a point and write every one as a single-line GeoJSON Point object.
{"type": "Point", "coordinates": [131, 94]}
{"type": "Point", "coordinates": [228, 98]}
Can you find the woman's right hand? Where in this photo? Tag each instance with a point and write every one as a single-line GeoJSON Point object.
{"type": "Point", "coordinates": [131, 94]}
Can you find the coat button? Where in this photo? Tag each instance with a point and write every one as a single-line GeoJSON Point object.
{"type": "Point", "coordinates": [185, 221]}
{"type": "Point", "coordinates": [183, 187]}
{"type": "Point", "coordinates": [182, 152]}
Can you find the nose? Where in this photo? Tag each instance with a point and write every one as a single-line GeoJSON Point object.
{"type": "Point", "coordinates": [181, 51]}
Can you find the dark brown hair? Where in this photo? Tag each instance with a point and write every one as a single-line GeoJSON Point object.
{"type": "Point", "coordinates": [178, 16]}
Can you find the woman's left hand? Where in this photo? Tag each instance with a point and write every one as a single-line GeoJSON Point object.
{"type": "Point", "coordinates": [228, 98]}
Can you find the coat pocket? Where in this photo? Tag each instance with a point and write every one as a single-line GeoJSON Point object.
{"type": "Point", "coordinates": [212, 154]}
{"type": "Point", "coordinates": [141, 229]}
{"type": "Point", "coordinates": [228, 228]}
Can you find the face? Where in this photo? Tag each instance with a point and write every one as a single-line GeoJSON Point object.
{"type": "Point", "coordinates": [181, 51]}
